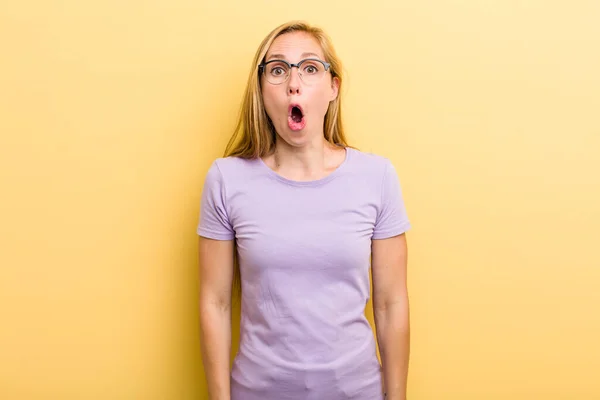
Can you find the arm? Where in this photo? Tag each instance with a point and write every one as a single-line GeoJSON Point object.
{"type": "Point", "coordinates": [391, 311]}
{"type": "Point", "coordinates": [216, 274]}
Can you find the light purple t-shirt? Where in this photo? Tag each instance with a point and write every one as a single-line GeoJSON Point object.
{"type": "Point", "coordinates": [304, 253]}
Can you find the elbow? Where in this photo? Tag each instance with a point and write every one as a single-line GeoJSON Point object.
{"type": "Point", "coordinates": [396, 303]}
{"type": "Point", "coordinates": [214, 314]}
{"type": "Point", "coordinates": [393, 312]}
{"type": "Point", "coordinates": [214, 304]}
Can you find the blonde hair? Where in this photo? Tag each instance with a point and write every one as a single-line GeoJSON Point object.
{"type": "Point", "coordinates": [254, 135]}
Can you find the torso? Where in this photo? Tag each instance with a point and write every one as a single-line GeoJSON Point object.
{"type": "Point", "coordinates": [304, 253]}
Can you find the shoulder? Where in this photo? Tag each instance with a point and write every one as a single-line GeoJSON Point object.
{"type": "Point", "coordinates": [231, 168]}
{"type": "Point", "coordinates": [374, 165]}
{"type": "Point", "coordinates": [232, 163]}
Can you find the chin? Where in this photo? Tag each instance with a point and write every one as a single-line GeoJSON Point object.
{"type": "Point", "coordinates": [297, 138]}
{"type": "Point", "coordinates": [295, 141]}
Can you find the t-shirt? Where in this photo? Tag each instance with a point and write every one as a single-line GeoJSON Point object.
{"type": "Point", "coordinates": [304, 252]}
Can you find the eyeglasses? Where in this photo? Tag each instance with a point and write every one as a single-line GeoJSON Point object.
{"type": "Point", "coordinates": [311, 70]}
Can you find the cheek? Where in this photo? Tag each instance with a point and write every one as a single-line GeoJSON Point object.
{"type": "Point", "coordinates": [321, 99]}
{"type": "Point", "coordinates": [270, 100]}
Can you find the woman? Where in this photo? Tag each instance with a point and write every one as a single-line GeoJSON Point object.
{"type": "Point", "coordinates": [306, 216]}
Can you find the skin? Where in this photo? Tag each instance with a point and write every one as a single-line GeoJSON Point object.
{"type": "Point", "coordinates": [391, 311]}
{"type": "Point", "coordinates": [216, 276]}
{"type": "Point", "coordinates": [304, 155]}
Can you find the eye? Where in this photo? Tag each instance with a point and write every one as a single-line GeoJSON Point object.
{"type": "Point", "coordinates": [277, 71]}
{"type": "Point", "coordinates": [311, 69]}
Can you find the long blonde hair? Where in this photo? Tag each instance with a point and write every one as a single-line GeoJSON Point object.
{"type": "Point", "coordinates": [254, 134]}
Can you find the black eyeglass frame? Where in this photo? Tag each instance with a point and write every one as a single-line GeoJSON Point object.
{"type": "Point", "coordinates": [261, 67]}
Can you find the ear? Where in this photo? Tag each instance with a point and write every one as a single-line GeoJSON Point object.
{"type": "Point", "coordinates": [335, 88]}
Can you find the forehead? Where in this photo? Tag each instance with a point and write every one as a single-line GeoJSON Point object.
{"type": "Point", "coordinates": [292, 46]}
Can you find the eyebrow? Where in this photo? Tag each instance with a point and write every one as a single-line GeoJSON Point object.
{"type": "Point", "coordinates": [282, 57]}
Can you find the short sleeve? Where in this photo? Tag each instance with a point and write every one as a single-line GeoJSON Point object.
{"type": "Point", "coordinates": [392, 219]}
{"type": "Point", "coordinates": [214, 221]}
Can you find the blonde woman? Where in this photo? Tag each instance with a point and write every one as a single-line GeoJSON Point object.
{"type": "Point", "coordinates": [305, 216]}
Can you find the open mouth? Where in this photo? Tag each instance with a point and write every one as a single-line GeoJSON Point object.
{"type": "Point", "coordinates": [296, 117]}
{"type": "Point", "coordinates": [296, 114]}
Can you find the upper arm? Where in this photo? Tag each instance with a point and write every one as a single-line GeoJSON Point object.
{"type": "Point", "coordinates": [392, 218]}
{"type": "Point", "coordinates": [389, 266]}
{"type": "Point", "coordinates": [216, 270]}
{"type": "Point", "coordinates": [216, 244]}
{"type": "Point", "coordinates": [389, 249]}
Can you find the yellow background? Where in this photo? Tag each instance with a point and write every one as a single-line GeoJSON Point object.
{"type": "Point", "coordinates": [112, 111]}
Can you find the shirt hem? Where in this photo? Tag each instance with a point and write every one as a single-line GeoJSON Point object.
{"type": "Point", "coordinates": [214, 235]}
{"type": "Point", "coordinates": [388, 233]}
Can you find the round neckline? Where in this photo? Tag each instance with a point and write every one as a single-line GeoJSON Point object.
{"type": "Point", "coordinates": [314, 182]}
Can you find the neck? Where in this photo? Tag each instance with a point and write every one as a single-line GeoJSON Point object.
{"type": "Point", "coordinates": [304, 163]}
{"type": "Point", "coordinates": [308, 158]}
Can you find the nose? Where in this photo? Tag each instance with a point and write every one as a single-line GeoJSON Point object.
{"type": "Point", "coordinates": [294, 86]}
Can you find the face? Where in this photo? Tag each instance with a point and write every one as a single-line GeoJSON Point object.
{"type": "Point", "coordinates": [297, 109]}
